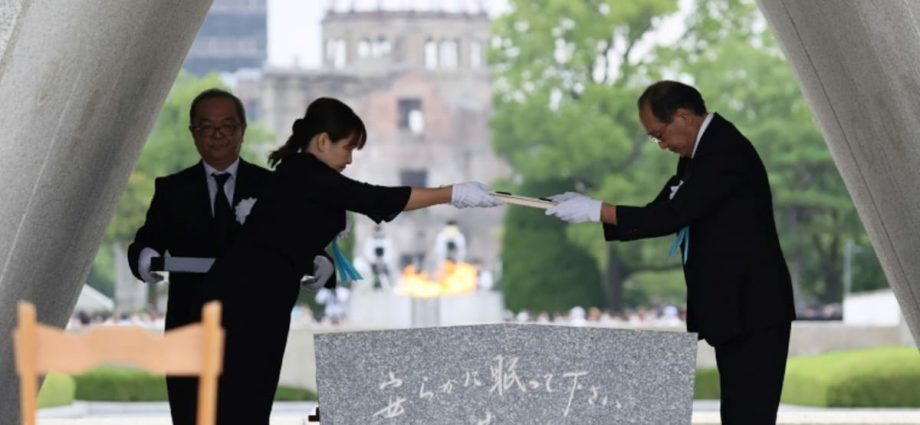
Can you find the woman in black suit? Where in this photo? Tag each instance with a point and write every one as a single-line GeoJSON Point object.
{"type": "Point", "coordinates": [301, 209]}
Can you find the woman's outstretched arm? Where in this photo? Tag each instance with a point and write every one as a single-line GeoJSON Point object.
{"type": "Point", "coordinates": [422, 197]}
{"type": "Point", "coordinates": [461, 195]}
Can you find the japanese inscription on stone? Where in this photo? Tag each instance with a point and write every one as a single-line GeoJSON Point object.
{"type": "Point", "coordinates": [506, 374]}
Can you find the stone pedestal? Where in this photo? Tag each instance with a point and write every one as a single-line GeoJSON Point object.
{"type": "Point", "coordinates": [506, 374]}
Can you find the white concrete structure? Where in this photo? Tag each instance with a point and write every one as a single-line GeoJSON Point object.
{"type": "Point", "coordinates": [82, 83]}
{"type": "Point", "coordinates": [384, 309]}
{"type": "Point", "coordinates": [876, 308]}
{"type": "Point", "coordinates": [91, 301]}
{"type": "Point", "coordinates": [857, 63]}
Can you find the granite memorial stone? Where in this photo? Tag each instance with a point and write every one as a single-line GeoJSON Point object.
{"type": "Point", "coordinates": [506, 374]}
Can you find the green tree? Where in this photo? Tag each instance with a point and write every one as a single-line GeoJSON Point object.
{"type": "Point", "coordinates": [102, 274]}
{"type": "Point", "coordinates": [543, 271]}
{"type": "Point", "coordinates": [567, 74]}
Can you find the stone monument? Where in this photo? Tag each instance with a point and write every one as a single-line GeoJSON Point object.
{"type": "Point", "coordinates": [506, 374]}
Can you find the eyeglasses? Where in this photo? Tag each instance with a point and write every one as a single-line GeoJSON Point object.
{"type": "Point", "coordinates": [655, 136]}
{"type": "Point", "coordinates": [211, 130]}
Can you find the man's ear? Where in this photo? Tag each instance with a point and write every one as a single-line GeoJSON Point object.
{"type": "Point", "coordinates": [680, 113]}
{"type": "Point", "coordinates": [687, 114]}
{"type": "Point", "coordinates": [242, 133]}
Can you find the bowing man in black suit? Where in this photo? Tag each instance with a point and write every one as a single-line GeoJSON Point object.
{"type": "Point", "coordinates": [739, 293]}
{"type": "Point", "coordinates": [301, 209]}
{"type": "Point", "coordinates": [191, 215]}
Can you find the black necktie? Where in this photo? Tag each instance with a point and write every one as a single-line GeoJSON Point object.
{"type": "Point", "coordinates": [223, 217]}
{"type": "Point", "coordinates": [684, 169]}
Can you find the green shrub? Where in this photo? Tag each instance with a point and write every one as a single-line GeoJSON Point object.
{"type": "Point", "coordinates": [880, 377]}
{"type": "Point", "coordinates": [294, 394]}
{"type": "Point", "coordinates": [126, 384]}
{"type": "Point", "coordinates": [57, 390]}
{"type": "Point", "coordinates": [120, 384]}
{"type": "Point", "coordinates": [706, 385]}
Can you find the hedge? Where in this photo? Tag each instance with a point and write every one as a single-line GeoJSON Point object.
{"type": "Point", "coordinates": [120, 384]}
{"type": "Point", "coordinates": [57, 390]}
{"type": "Point", "coordinates": [125, 384]}
{"type": "Point", "coordinates": [878, 377]}
{"type": "Point", "coordinates": [706, 385]}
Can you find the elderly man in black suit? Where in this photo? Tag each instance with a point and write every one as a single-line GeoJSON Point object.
{"type": "Point", "coordinates": [739, 292]}
{"type": "Point", "coordinates": [191, 215]}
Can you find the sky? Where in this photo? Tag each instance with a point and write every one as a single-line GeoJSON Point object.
{"type": "Point", "coordinates": [294, 25]}
{"type": "Point", "coordinates": [294, 32]}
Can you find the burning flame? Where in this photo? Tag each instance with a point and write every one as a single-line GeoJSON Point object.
{"type": "Point", "coordinates": [454, 279]}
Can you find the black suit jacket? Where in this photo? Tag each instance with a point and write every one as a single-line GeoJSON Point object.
{"type": "Point", "coordinates": [180, 223]}
{"type": "Point", "coordinates": [737, 279]}
{"type": "Point", "coordinates": [301, 210]}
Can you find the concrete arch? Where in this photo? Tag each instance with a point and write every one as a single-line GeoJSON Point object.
{"type": "Point", "coordinates": [858, 64]}
{"type": "Point", "coordinates": [82, 83]}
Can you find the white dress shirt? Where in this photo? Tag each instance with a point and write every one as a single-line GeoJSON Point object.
{"type": "Point", "coordinates": [699, 136]}
{"type": "Point", "coordinates": [696, 144]}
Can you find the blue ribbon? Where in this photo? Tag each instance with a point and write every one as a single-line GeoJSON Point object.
{"type": "Point", "coordinates": [683, 238]}
{"type": "Point", "coordinates": [343, 267]}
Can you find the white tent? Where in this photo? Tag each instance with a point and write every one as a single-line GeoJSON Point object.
{"type": "Point", "coordinates": [92, 301]}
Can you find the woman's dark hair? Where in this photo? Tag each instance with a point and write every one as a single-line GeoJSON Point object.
{"type": "Point", "coordinates": [665, 97]}
{"type": "Point", "coordinates": [324, 115]}
{"type": "Point", "coordinates": [217, 93]}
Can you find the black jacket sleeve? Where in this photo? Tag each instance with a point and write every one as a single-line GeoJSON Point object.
{"type": "Point", "coordinates": [715, 178]}
{"type": "Point", "coordinates": [153, 234]}
{"type": "Point", "coordinates": [325, 186]}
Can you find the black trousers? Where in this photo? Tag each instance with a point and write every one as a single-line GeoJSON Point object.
{"type": "Point", "coordinates": [183, 399]}
{"type": "Point", "coordinates": [751, 370]}
{"type": "Point", "coordinates": [256, 320]}
{"type": "Point", "coordinates": [184, 309]}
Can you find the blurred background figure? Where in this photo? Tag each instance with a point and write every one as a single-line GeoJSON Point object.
{"type": "Point", "coordinates": [449, 245]}
{"type": "Point", "coordinates": [485, 280]}
{"type": "Point", "coordinates": [335, 302]}
{"type": "Point", "coordinates": [381, 258]}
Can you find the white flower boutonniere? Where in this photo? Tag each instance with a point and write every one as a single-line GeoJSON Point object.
{"type": "Point", "coordinates": [243, 208]}
{"type": "Point", "coordinates": [675, 188]}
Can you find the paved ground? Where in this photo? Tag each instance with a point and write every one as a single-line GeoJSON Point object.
{"type": "Point", "coordinates": [290, 413]}
{"type": "Point", "coordinates": [706, 412]}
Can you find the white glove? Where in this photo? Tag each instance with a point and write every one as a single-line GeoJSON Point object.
{"type": "Point", "coordinates": [575, 208]}
{"type": "Point", "coordinates": [322, 271]}
{"type": "Point", "coordinates": [564, 196]}
{"type": "Point", "coordinates": [344, 233]}
{"type": "Point", "coordinates": [472, 194]}
{"type": "Point", "coordinates": [143, 266]}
